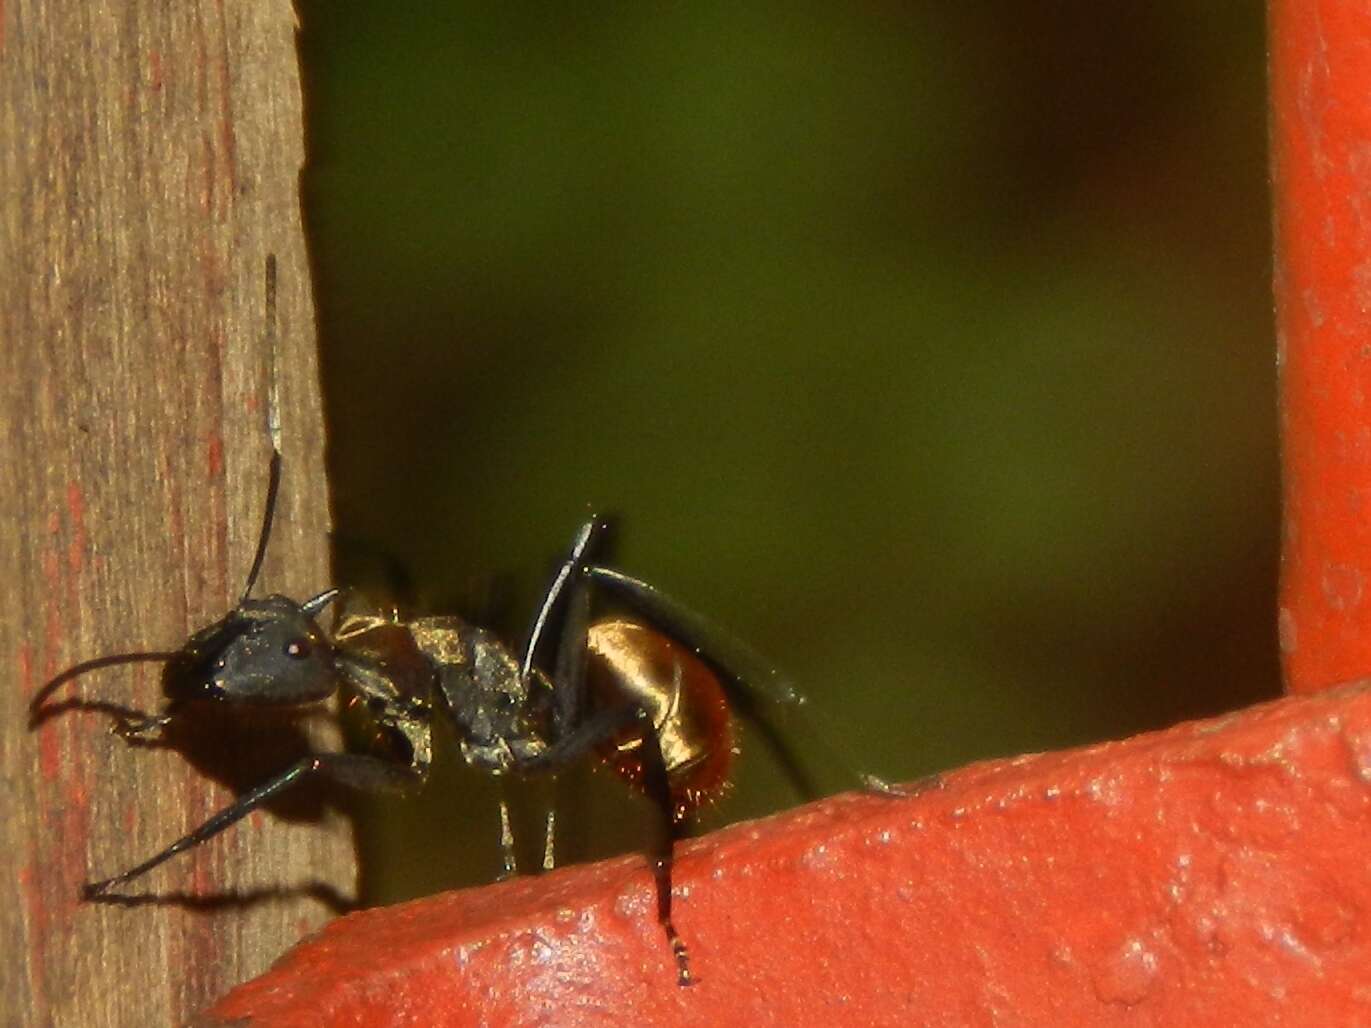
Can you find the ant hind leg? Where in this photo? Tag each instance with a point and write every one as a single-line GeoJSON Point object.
{"type": "Point", "coordinates": [669, 824]}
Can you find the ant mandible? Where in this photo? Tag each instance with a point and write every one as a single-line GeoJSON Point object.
{"type": "Point", "coordinates": [648, 694]}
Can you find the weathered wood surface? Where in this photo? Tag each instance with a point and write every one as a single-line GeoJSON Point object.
{"type": "Point", "coordinates": [149, 162]}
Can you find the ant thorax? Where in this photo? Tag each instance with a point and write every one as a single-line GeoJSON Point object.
{"type": "Point", "coordinates": [500, 716]}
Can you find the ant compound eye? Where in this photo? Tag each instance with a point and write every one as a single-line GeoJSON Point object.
{"type": "Point", "coordinates": [297, 649]}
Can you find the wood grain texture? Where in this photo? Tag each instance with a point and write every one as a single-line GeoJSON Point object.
{"type": "Point", "coordinates": [149, 162]}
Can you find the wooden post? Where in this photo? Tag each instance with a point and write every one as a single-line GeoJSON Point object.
{"type": "Point", "coordinates": [149, 163]}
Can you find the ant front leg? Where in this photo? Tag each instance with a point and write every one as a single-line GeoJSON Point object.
{"type": "Point", "coordinates": [354, 770]}
{"type": "Point", "coordinates": [139, 729]}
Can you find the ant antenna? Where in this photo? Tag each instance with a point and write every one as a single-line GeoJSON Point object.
{"type": "Point", "coordinates": [273, 421]}
{"type": "Point", "coordinates": [273, 487]}
{"type": "Point", "coordinates": [272, 341]}
{"type": "Point", "coordinates": [38, 713]}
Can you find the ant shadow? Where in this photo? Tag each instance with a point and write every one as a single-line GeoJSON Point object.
{"type": "Point", "coordinates": [239, 748]}
{"type": "Point", "coordinates": [210, 903]}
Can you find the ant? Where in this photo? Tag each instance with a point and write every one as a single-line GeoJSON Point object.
{"type": "Point", "coordinates": [649, 694]}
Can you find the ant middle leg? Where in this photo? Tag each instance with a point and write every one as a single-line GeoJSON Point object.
{"type": "Point", "coordinates": [564, 617]}
{"type": "Point", "coordinates": [509, 854]}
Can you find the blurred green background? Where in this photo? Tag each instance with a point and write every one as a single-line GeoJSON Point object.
{"type": "Point", "coordinates": [927, 347]}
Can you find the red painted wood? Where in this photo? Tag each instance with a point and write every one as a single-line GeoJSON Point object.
{"type": "Point", "coordinates": [1215, 873]}
{"type": "Point", "coordinates": [1321, 143]}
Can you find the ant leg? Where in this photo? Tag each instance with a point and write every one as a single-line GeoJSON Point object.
{"type": "Point", "coordinates": [658, 788]}
{"type": "Point", "coordinates": [569, 668]}
{"type": "Point", "coordinates": [880, 787]}
{"type": "Point", "coordinates": [508, 851]}
{"type": "Point", "coordinates": [656, 784]}
{"type": "Point", "coordinates": [508, 854]}
{"type": "Point", "coordinates": [549, 840]}
{"type": "Point", "coordinates": [569, 569]}
{"type": "Point", "coordinates": [137, 727]}
{"type": "Point", "coordinates": [598, 728]}
{"type": "Point", "coordinates": [354, 770]}
{"type": "Point", "coordinates": [569, 589]}
{"type": "Point", "coordinates": [568, 684]}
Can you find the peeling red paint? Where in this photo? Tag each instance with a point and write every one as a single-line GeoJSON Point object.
{"type": "Point", "coordinates": [227, 142]}
{"type": "Point", "coordinates": [70, 840]}
{"type": "Point", "coordinates": [155, 69]}
{"type": "Point", "coordinates": [218, 146]}
{"type": "Point", "coordinates": [38, 932]}
{"type": "Point", "coordinates": [27, 686]}
{"type": "Point", "coordinates": [49, 753]}
{"type": "Point", "coordinates": [200, 944]}
{"type": "Point", "coordinates": [78, 793]}
{"type": "Point", "coordinates": [206, 181]}
{"type": "Point", "coordinates": [76, 511]}
{"type": "Point", "coordinates": [214, 454]}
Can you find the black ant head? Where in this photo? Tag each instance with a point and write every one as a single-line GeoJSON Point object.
{"type": "Point", "coordinates": [263, 652]}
